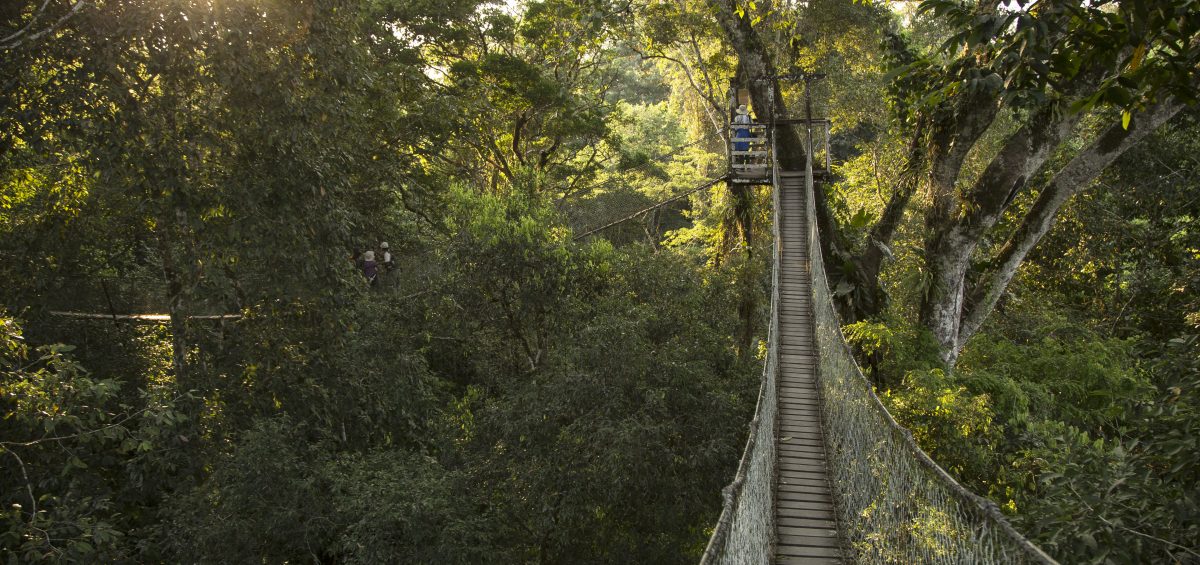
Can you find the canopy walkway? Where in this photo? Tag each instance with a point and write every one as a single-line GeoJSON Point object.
{"type": "Point", "coordinates": [827, 475]}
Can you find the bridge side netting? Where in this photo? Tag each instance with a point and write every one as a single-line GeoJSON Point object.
{"type": "Point", "coordinates": [896, 505]}
{"type": "Point", "coordinates": [746, 530]}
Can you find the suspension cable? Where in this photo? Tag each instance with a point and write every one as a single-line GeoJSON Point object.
{"type": "Point", "coordinates": [689, 192]}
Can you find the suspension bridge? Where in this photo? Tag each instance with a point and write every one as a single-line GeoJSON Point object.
{"type": "Point", "coordinates": [826, 475]}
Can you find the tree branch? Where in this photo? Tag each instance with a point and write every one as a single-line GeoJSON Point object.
{"type": "Point", "coordinates": [1070, 180]}
{"type": "Point", "coordinates": [14, 40]}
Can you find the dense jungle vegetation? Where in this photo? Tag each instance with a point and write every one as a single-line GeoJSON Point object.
{"type": "Point", "coordinates": [1011, 228]}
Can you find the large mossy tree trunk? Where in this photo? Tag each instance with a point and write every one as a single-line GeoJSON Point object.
{"type": "Point", "coordinates": [954, 105]}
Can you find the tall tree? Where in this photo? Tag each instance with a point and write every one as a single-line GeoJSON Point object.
{"type": "Point", "coordinates": [1042, 67]}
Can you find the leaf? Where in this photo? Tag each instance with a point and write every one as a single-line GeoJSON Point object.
{"type": "Point", "coordinates": [861, 219]}
{"type": "Point", "coordinates": [1125, 117]}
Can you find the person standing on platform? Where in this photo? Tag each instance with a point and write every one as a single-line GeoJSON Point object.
{"type": "Point", "coordinates": [370, 268]}
{"type": "Point", "coordinates": [742, 118]}
{"type": "Point", "coordinates": [386, 258]}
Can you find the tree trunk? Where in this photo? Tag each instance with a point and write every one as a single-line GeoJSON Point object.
{"type": "Point", "coordinates": [952, 240]}
{"type": "Point", "coordinates": [765, 94]}
{"type": "Point", "coordinates": [1070, 180]}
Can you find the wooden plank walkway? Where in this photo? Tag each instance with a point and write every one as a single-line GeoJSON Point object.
{"type": "Point", "coordinates": [804, 521]}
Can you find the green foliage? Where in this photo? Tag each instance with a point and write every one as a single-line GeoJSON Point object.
{"type": "Point", "coordinates": [81, 458]}
{"type": "Point", "coordinates": [952, 424]}
{"type": "Point", "coordinates": [1037, 53]}
{"type": "Point", "coordinates": [1085, 381]}
{"type": "Point", "coordinates": [1108, 501]}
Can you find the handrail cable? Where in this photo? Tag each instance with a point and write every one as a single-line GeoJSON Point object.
{"type": "Point", "coordinates": [745, 531]}
{"type": "Point", "coordinates": [647, 163]}
{"type": "Point", "coordinates": [684, 194]}
{"type": "Point", "coordinates": [891, 511]}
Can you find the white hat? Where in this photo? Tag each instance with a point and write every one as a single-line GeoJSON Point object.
{"type": "Point", "coordinates": [369, 256]}
{"type": "Point", "coordinates": [742, 109]}
{"type": "Point", "coordinates": [383, 245]}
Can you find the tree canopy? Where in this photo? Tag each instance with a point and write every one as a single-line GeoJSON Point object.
{"type": "Point", "coordinates": [1010, 225]}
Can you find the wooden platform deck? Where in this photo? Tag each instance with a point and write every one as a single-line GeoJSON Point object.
{"type": "Point", "coordinates": [805, 525]}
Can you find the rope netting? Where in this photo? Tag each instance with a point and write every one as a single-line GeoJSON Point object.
{"type": "Point", "coordinates": [896, 505]}
{"type": "Point", "coordinates": [745, 531]}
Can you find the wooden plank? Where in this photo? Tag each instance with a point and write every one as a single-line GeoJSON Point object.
{"type": "Point", "coordinates": [798, 525]}
{"type": "Point", "coordinates": [799, 400]}
{"type": "Point", "coordinates": [811, 362]}
{"type": "Point", "coordinates": [799, 376]}
{"type": "Point", "coordinates": [809, 420]}
{"type": "Point", "coordinates": [802, 392]}
{"type": "Point", "coordinates": [790, 560]}
{"type": "Point", "coordinates": [800, 416]}
{"type": "Point", "coordinates": [815, 438]}
{"type": "Point", "coordinates": [794, 474]}
{"type": "Point", "coordinates": [799, 413]}
{"type": "Point", "coordinates": [809, 486]}
{"type": "Point", "coordinates": [801, 430]}
{"type": "Point", "coordinates": [809, 482]}
{"type": "Point", "coordinates": [799, 391]}
{"type": "Point", "coordinates": [813, 495]}
{"type": "Point", "coordinates": [801, 545]}
{"type": "Point", "coordinates": [800, 371]}
{"type": "Point", "coordinates": [815, 537]}
{"type": "Point", "coordinates": [804, 545]}
{"type": "Point", "coordinates": [799, 343]}
{"type": "Point", "coordinates": [805, 496]}
{"type": "Point", "coordinates": [812, 445]}
{"type": "Point", "coordinates": [807, 442]}
{"type": "Point", "coordinates": [811, 427]}
{"type": "Point", "coordinates": [795, 467]}
{"type": "Point", "coordinates": [803, 415]}
{"type": "Point", "coordinates": [806, 368]}
{"type": "Point", "coordinates": [805, 513]}
{"type": "Point", "coordinates": [804, 376]}
{"type": "Point", "coordinates": [799, 394]}
{"type": "Point", "coordinates": [802, 514]}
{"type": "Point", "coordinates": [802, 508]}
{"type": "Point", "coordinates": [795, 428]}
{"type": "Point", "coordinates": [803, 440]}
{"type": "Point", "coordinates": [796, 447]}
{"type": "Point", "coordinates": [796, 339]}
{"type": "Point", "coordinates": [811, 491]}
{"type": "Point", "coordinates": [814, 455]}
{"type": "Point", "coordinates": [786, 460]}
